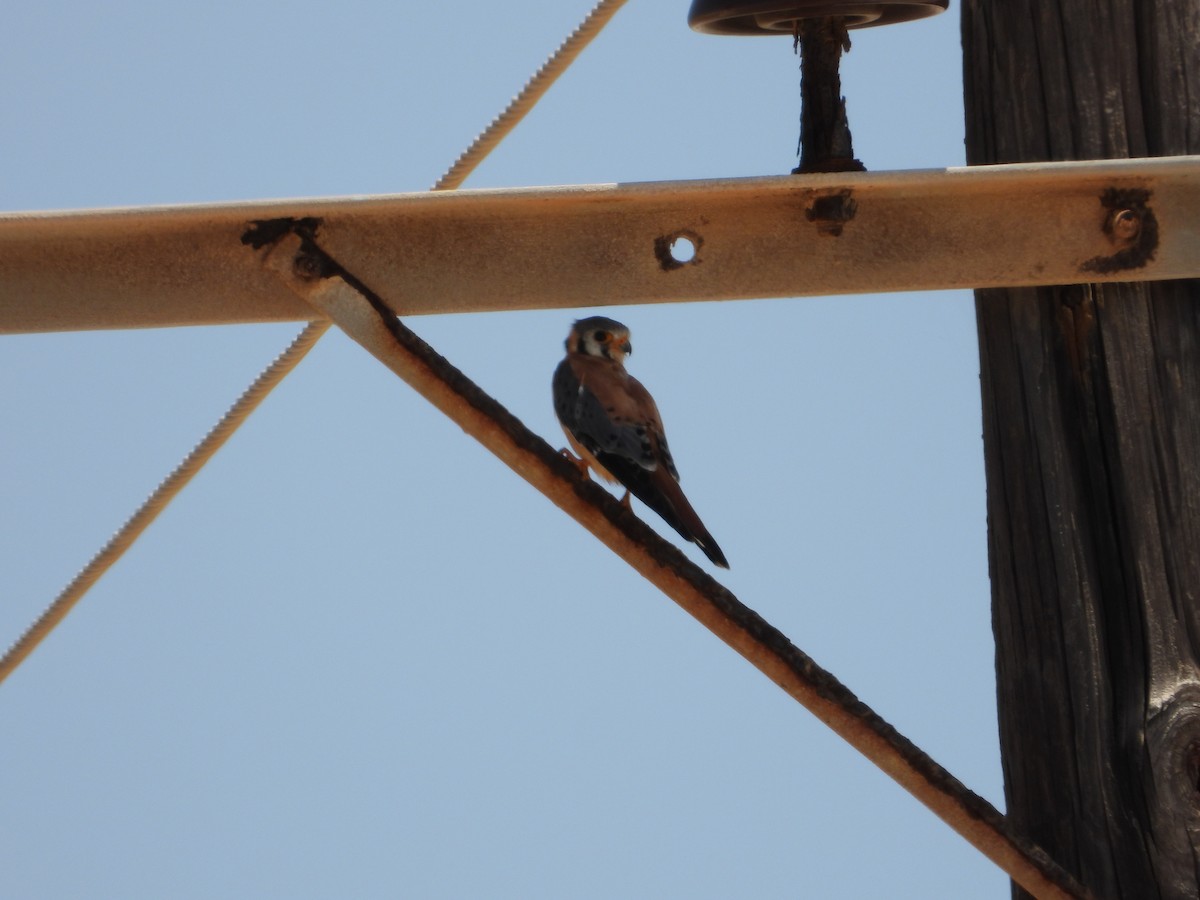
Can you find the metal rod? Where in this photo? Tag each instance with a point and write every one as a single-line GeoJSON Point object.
{"type": "Point", "coordinates": [520, 105]}
{"type": "Point", "coordinates": [108, 555]}
{"type": "Point", "coordinates": [825, 141]}
{"type": "Point", "coordinates": [170, 487]}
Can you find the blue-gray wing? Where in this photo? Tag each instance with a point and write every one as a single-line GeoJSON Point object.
{"type": "Point", "coordinates": [600, 416]}
{"type": "Point", "coordinates": [616, 420]}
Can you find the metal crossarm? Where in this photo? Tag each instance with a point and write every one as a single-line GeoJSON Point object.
{"type": "Point", "coordinates": [293, 256]}
{"type": "Point", "coordinates": [592, 245]}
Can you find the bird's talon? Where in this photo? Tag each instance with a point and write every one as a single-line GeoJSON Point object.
{"type": "Point", "coordinates": [580, 464]}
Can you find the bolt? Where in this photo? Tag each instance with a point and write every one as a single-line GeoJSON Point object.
{"type": "Point", "coordinates": [1124, 225]}
{"type": "Point", "coordinates": [831, 212]}
{"type": "Point", "coordinates": [307, 265]}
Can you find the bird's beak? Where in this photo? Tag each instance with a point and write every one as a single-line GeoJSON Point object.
{"type": "Point", "coordinates": [627, 348]}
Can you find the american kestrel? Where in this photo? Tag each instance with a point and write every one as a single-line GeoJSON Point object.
{"type": "Point", "coordinates": [613, 424]}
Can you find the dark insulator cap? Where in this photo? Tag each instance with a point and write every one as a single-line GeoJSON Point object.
{"type": "Point", "coordinates": [780, 16]}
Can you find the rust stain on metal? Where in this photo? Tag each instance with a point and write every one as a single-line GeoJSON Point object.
{"type": "Point", "coordinates": [261, 232]}
{"type": "Point", "coordinates": [831, 212]}
{"type": "Point", "coordinates": [1131, 227]}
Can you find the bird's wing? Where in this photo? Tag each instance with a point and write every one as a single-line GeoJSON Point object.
{"type": "Point", "coordinates": [647, 412]}
{"type": "Point", "coordinates": [616, 420]}
{"type": "Point", "coordinates": [592, 398]}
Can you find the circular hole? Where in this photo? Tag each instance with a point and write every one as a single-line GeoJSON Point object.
{"type": "Point", "coordinates": [683, 249]}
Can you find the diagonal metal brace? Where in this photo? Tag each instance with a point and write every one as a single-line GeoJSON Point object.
{"type": "Point", "coordinates": [292, 254]}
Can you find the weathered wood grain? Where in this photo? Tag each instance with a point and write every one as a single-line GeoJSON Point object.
{"type": "Point", "coordinates": [1091, 425]}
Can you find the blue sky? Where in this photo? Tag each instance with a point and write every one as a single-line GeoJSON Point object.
{"type": "Point", "coordinates": [358, 656]}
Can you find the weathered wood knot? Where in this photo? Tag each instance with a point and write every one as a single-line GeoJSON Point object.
{"type": "Point", "coordinates": [1172, 747]}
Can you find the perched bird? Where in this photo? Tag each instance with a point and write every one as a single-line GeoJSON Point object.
{"type": "Point", "coordinates": [613, 424]}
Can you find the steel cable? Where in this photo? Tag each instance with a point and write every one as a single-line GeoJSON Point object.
{"type": "Point", "coordinates": [534, 89]}
{"type": "Point", "coordinates": [162, 495]}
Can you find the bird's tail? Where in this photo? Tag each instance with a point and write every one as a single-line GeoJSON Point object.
{"type": "Point", "coordinates": [663, 494]}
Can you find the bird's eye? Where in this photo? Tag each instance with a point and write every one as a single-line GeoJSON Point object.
{"type": "Point", "coordinates": [603, 337]}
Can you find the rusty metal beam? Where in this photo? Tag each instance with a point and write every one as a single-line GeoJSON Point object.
{"type": "Point", "coordinates": [597, 245]}
{"type": "Point", "coordinates": [294, 258]}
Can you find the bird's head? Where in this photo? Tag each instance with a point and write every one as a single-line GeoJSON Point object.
{"type": "Point", "coordinates": [600, 336]}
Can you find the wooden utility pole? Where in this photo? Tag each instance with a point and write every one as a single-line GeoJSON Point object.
{"type": "Point", "coordinates": [1091, 426]}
